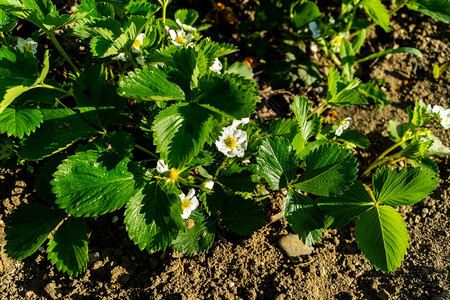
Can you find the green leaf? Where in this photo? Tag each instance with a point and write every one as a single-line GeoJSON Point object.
{"type": "Point", "coordinates": [382, 237]}
{"type": "Point", "coordinates": [96, 9]}
{"type": "Point", "coordinates": [28, 227]}
{"type": "Point", "coordinates": [437, 148]}
{"type": "Point", "coordinates": [408, 50]}
{"type": "Point", "coordinates": [61, 128]}
{"type": "Point", "coordinates": [344, 208]}
{"type": "Point", "coordinates": [426, 164]}
{"type": "Point", "coordinates": [354, 137]}
{"type": "Point", "coordinates": [7, 21]}
{"type": "Point", "coordinates": [276, 162]}
{"type": "Point", "coordinates": [347, 97]}
{"type": "Point", "coordinates": [243, 216]}
{"type": "Point", "coordinates": [330, 170]}
{"type": "Point", "coordinates": [438, 9]}
{"type": "Point", "coordinates": [286, 128]}
{"type": "Point", "coordinates": [93, 93]}
{"type": "Point", "coordinates": [186, 16]}
{"type": "Point", "coordinates": [342, 93]}
{"type": "Point", "coordinates": [152, 84]}
{"type": "Point", "coordinates": [300, 107]}
{"type": "Point", "coordinates": [45, 176]}
{"type": "Point", "coordinates": [303, 214]}
{"type": "Point", "coordinates": [68, 248]}
{"type": "Point", "coordinates": [92, 184]}
{"type": "Point", "coordinates": [118, 142]}
{"type": "Point", "coordinates": [347, 59]}
{"type": "Point", "coordinates": [305, 13]}
{"type": "Point", "coordinates": [359, 40]}
{"type": "Point", "coordinates": [403, 187]}
{"type": "Point", "coordinates": [153, 217]}
{"type": "Point", "coordinates": [241, 69]}
{"type": "Point", "coordinates": [376, 10]}
{"type": "Point", "coordinates": [239, 179]}
{"type": "Point", "coordinates": [374, 93]}
{"type": "Point", "coordinates": [20, 121]}
{"type": "Point", "coordinates": [228, 94]}
{"type": "Point", "coordinates": [396, 130]}
{"type": "Point", "coordinates": [180, 132]}
{"type": "Point", "coordinates": [11, 89]}
{"type": "Point", "coordinates": [211, 49]}
{"type": "Point", "coordinates": [199, 238]}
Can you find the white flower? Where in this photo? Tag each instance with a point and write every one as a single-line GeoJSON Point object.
{"type": "Point", "coordinates": [209, 184]}
{"type": "Point", "coordinates": [336, 42]}
{"type": "Point", "coordinates": [217, 66]}
{"type": "Point", "coordinates": [185, 26]}
{"type": "Point", "coordinates": [444, 115]}
{"type": "Point", "coordinates": [188, 203]}
{"type": "Point", "coordinates": [27, 44]}
{"type": "Point", "coordinates": [236, 123]}
{"type": "Point", "coordinates": [344, 125]}
{"type": "Point", "coordinates": [138, 43]}
{"type": "Point", "coordinates": [233, 142]}
{"type": "Point", "coordinates": [314, 29]}
{"type": "Point", "coordinates": [140, 60]}
{"type": "Point", "coordinates": [314, 47]}
{"type": "Point", "coordinates": [437, 109]}
{"type": "Point", "coordinates": [162, 168]}
{"type": "Point", "coordinates": [180, 38]}
{"type": "Point", "coordinates": [121, 57]}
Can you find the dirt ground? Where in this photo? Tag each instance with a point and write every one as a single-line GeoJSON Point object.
{"type": "Point", "coordinates": [254, 267]}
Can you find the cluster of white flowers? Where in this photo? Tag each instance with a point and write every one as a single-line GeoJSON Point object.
{"type": "Point", "coordinates": [188, 203]}
{"type": "Point", "coordinates": [216, 66]}
{"type": "Point", "coordinates": [27, 44]}
{"type": "Point", "coordinates": [343, 126]}
{"type": "Point", "coordinates": [233, 141]}
{"type": "Point", "coordinates": [336, 42]}
{"type": "Point", "coordinates": [314, 29]}
{"type": "Point", "coordinates": [441, 113]}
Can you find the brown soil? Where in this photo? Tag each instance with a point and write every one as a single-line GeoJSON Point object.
{"type": "Point", "coordinates": [254, 267]}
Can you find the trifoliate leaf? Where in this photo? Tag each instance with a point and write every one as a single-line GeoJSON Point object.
{"type": "Point", "coordinates": [330, 170]}
{"type": "Point", "coordinates": [348, 97]}
{"type": "Point", "coordinates": [437, 9]}
{"type": "Point", "coordinates": [180, 131]}
{"type": "Point", "coordinates": [20, 121]}
{"type": "Point", "coordinates": [347, 56]}
{"type": "Point", "coordinates": [239, 179]}
{"type": "Point", "coordinates": [153, 217]}
{"type": "Point", "coordinates": [382, 237]}
{"type": "Point", "coordinates": [93, 93]}
{"type": "Point", "coordinates": [199, 238]}
{"type": "Point", "coordinates": [151, 83]}
{"type": "Point", "coordinates": [437, 148]}
{"type": "Point", "coordinates": [286, 128]}
{"type": "Point", "coordinates": [376, 10]}
{"type": "Point", "coordinates": [276, 162]}
{"type": "Point", "coordinates": [92, 184]}
{"type": "Point", "coordinates": [344, 208]}
{"type": "Point", "coordinates": [342, 93]}
{"type": "Point", "coordinates": [303, 214]}
{"type": "Point", "coordinates": [403, 187]}
{"type": "Point", "coordinates": [45, 175]}
{"type": "Point", "coordinates": [228, 94]}
{"type": "Point", "coordinates": [7, 21]}
{"type": "Point", "coordinates": [28, 227]}
{"type": "Point", "coordinates": [186, 16]}
{"type": "Point", "coordinates": [375, 94]}
{"type": "Point", "coordinates": [60, 129]}
{"type": "Point", "coordinates": [68, 248]}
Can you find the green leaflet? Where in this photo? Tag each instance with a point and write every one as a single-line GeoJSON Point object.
{"type": "Point", "coordinates": [340, 92]}
{"type": "Point", "coordinates": [180, 132]}
{"type": "Point", "coordinates": [403, 187]}
{"type": "Point", "coordinates": [276, 162]}
{"type": "Point", "coordinates": [286, 128]}
{"type": "Point", "coordinates": [330, 170]}
{"type": "Point", "coordinates": [92, 184]}
{"type": "Point", "coordinates": [7, 21]}
{"type": "Point", "coordinates": [239, 179]}
{"type": "Point", "coordinates": [391, 51]}
{"type": "Point", "coordinates": [28, 227]}
{"type": "Point", "coordinates": [60, 129]}
{"type": "Point", "coordinates": [382, 237]}
{"type": "Point", "coordinates": [300, 106]}
{"type": "Point", "coordinates": [347, 59]}
{"type": "Point", "coordinates": [153, 217]}
{"type": "Point", "coordinates": [186, 16]}
{"type": "Point", "coordinates": [68, 247]}
{"type": "Point", "coordinates": [20, 121]}
{"type": "Point", "coordinates": [438, 9]}
{"type": "Point", "coordinates": [199, 238]}
{"type": "Point", "coordinates": [303, 215]}
{"type": "Point", "coordinates": [211, 49]}
{"type": "Point", "coordinates": [376, 10]}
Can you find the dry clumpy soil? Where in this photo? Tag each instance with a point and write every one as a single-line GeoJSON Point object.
{"type": "Point", "coordinates": [254, 267]}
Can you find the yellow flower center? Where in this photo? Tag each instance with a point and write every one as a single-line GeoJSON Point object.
{"type": "Point", "coordinates": [337, 40]}
{"type": "Point", "coordinates": [185, 204]}
{"type": "Point", "coordinates": [230, 142]}
{"type": "Point", "coordinates": [28, 47]}
{"type": "Point", "coordinates": [137, 43]}
{"type": "Point", "coordinates": [172, 174]}
{"type": "Point", "coordinates": [180, 39]}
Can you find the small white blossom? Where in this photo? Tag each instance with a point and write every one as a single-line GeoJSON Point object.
{"type": "Point", "coordinates": [233, 142]}
{"type": "Point", "coordinates": [209, 184]}
{"type": "Point", "coordinates": [27, 44]}
{"type": "Point", "coordinates": [343, 126]}
{"type": "Point", "coordinates": [161, 166]}
{"type": "Point", "coordinates": [217, 66]}
{"type": "Point", "coordinates": [444, 115]}
{"type": "Point", "coordinates": [186, 27]}
{"type": "Point", "coordinates": [188, 203]}
{"type": "Point", "coordinates": [314, 48]}
{"type": "Point", "coordinates": [180, 38]}
{"type": "Point", "coordinates": [336, 42]}
{"type": "Point", "coordinates": [170, 173]}
{"type": "Point", "coordinates": [140, 60]}
{"type": "Point", "coordinates": [138, 43]}
{"type": "Point", "coordinates": [314, 29]}
{"type": "Point", "coordinates": [121, 57]}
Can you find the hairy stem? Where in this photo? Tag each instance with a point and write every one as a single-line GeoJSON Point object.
{"type": "Point", "coordinates": [51, 87]}
{"type": "Point", "coordinates": [321, 107]}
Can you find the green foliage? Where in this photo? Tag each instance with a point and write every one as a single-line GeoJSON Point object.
{"type": "Point", "coordinates": [342, 93]}
{"type": "Point", "coordinates": [20, 121]}
{"type": "Point", "coordinates": [382, 237]}
{"type": "Point", "coordinates": [376, 10]}
{"type": "Point", "coordinates": [241, 69]}
{"type": "Point", "coordinates": [239, 179]}
{"type": "Point", "coordinates": [438, 9]}
{"type": "Point", "coordinates": [186, 16]}
{"type": "Point", "coordinates": [28, 227]}
{"type": "Point", "coordinates": [305, 13]}
{"type": "Point", "coordinates": [7, 21]}
{"type": "Point", "coordinates": [286, 128]}
{"type": "Point", "coordinates": [68, 247]}
{"type": "Point", "coordinates": [408, 50]}
{"type": "Point", "coordinates": [347, 55]}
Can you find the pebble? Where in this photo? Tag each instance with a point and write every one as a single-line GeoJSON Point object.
{"type": "Point", "coordinates": [293, 247]}
{"type": "Point", "coordinates": [115, 219]}
{"type": "Point", "coordinates": [50, 290]}
{"type": "Point", "coordinates": [425, 212]}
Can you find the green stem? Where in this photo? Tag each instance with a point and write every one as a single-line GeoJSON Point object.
{"type": "Point", "coordinates": [63, 53]}
{"type": "Point", "coordinates": [350, 23]}
{"type": "Point", "coordinates": [146, 150]}
{"type": "Point", "coordinates": [376, 163]}
{"type": "Point", "coordinates": [321, 107]}
{"type": "Point", "coordinates": [47, 86]}
{"type": "Point", "coordinates": [4, 39]}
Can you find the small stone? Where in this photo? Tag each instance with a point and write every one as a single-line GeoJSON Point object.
{"type": "Point", "coordinates": [51, 290]}
{"type": "Point", "coordinates": [115, 219]}
{"type": "Point", "coordinates": [425, 212]}
{"type": "Point", "coordinates": [293, 247]}
{"type": "Point", "coordinates": [231, 284]}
